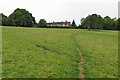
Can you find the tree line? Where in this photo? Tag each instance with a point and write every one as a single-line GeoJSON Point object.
{"type": "Point", "coordinates": [20, 17]}
{"type": "Point", "coordinates": [23, 18]}
{"type": "Point", "coordinates": [96, 22]}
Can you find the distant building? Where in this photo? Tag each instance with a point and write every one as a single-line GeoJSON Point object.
{"type": "Point", "coordinates": [59, 24]}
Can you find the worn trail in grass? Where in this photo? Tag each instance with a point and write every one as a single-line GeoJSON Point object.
{"type": "Point", "coordinates": [81, 69]}
{"type": "Point", "coordinates": [82, 75]}
{"type": "Point", "coordinates": [59, 53]}
{"type": "Point", "coordinates": [100, 53]}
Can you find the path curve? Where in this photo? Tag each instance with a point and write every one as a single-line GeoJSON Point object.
{"type": "Point", "coordinates": [81, 69]}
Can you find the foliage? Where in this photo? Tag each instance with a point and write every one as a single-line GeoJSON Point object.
{"type": "Point", "coordinates": [95, 21]}
{"type": "Point", "coordinates": [118, 21]}
{"type": "Point", "coordinates": [73, 23]}
{"type": "Point", "coordinates": [109, 24]}
{"type": "Point", "coordinates": [21, 17]}
{"type": "Point", "coordinates": [4, 20]}
{"type": "Point", "coordinates": [42, 23]}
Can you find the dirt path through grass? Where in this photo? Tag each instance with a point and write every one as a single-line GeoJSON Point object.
{"type": "Point", "coordinates": [81, 63]}
{"type": "Point", "coordinates": [81, 69]}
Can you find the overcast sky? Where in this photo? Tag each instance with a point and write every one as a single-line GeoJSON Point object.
{"type": "Point", "coordinates": [61, 10]}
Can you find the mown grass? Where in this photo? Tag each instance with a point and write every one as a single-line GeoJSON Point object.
{"type": "Point", "coordinates": [51, 53]}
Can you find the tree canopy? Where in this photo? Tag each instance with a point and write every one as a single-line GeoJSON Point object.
{"type": "Point", "coordinates": [42, 23]}
{"type": "Point", "coordinates": [21, 17]}
{"type": "Point", "coordinates": [4, 19]}
{"type": "Point", "coordinates": [93, 21]}
{"type": "Point", "coordinates": [110, 24]}
{"type": "Point", "coordinates": [96, 22]}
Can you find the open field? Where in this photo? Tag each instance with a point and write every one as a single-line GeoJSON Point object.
{"type": "Point", "coordinates": [54, 53]}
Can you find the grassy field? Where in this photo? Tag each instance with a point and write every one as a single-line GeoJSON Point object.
{"type": "Point", "coordinates": [51, 53]}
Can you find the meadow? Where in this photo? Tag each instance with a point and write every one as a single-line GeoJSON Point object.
{"type": "Point", "coordinates": [52, 53]}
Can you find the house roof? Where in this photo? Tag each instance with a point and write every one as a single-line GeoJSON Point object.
{"type": "Point", "coordinates": [60, 22]}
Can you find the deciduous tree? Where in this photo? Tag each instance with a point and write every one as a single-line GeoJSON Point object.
{"type": "Point", "coordinates": [21, 17]}
{"type": "Point", "coordinates": [42, 23]}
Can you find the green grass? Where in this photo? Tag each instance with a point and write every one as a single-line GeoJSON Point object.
{"type": "Point", "coordinates": [0, 52]}
{"type": "Point", "coordinates": [51, 53]}
{"type": "Point", "coordinates": [100, 53]}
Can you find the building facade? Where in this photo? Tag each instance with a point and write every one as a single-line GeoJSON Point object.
{"type": "Point", "coordinates": [59, 24]}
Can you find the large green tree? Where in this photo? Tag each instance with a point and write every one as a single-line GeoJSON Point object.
{"type": "Point", "coordinates": [42, 23]}
{"type": "Point", "coordinates": [21, 17]}
{"type": "Point", "coordinates": [93, 21]}
{"type": "Point", "coordinates": [82, 24]}
{"type": "Point", "coordinates": [85, 22]}
{"type": "Point", "coordinates": [4, 20]}
{"type": "Point", "coordinates": [109, 24]}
